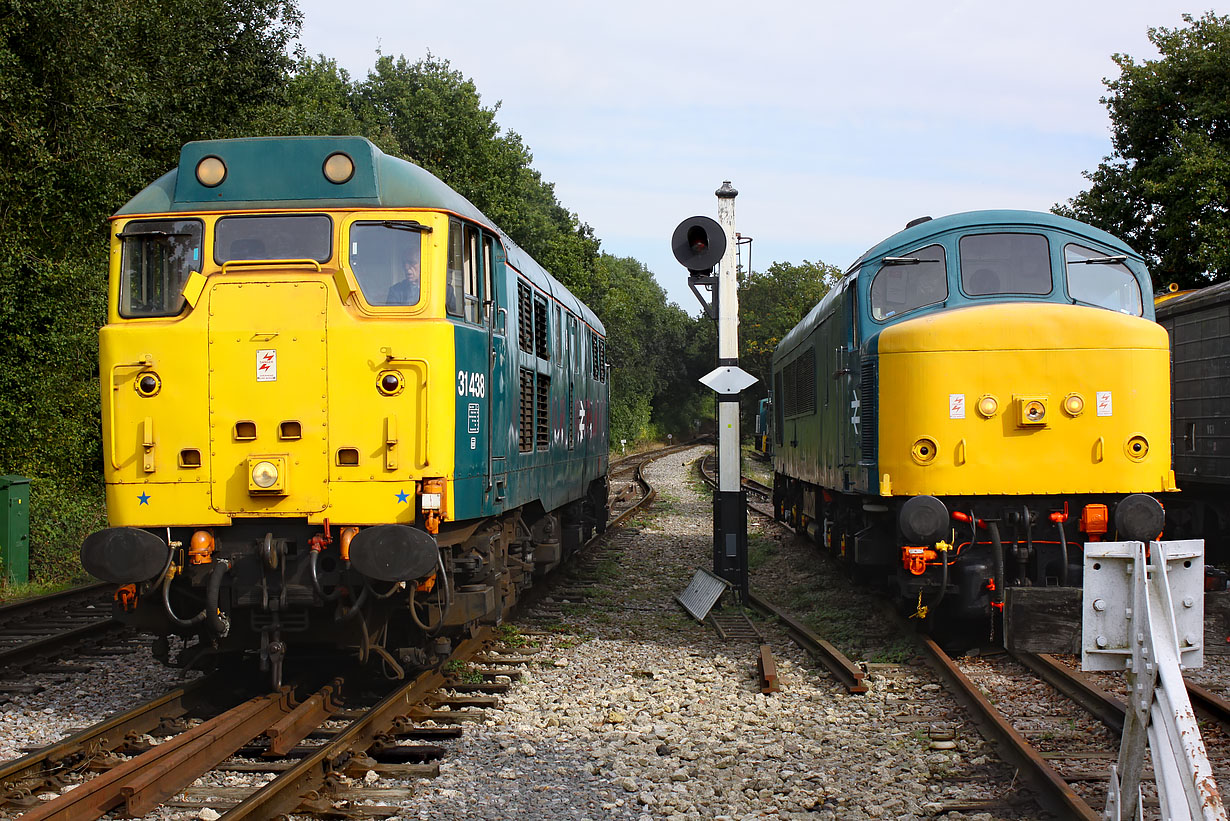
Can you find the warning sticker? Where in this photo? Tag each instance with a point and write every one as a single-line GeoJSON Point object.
{"type": "Point", "coordinates": [1104, 406]}
{"type": "Point", "coordinates": [956, 406]}
{"type": "Point", "coordinates": [267, 366]}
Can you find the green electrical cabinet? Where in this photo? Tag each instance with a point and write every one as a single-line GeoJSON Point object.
{"type": "Point", "coordinates": [15, 529]}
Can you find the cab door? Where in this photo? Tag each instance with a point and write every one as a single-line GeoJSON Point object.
{"type": "Point", "coordinates": [498, 389]}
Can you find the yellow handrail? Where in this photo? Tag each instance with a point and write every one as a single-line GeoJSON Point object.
{"type": "Point", "coordinates": [269, 263]}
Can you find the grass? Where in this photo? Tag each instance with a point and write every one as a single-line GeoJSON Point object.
{"type": "Point", "coordinates": [463, 672]}
{"type": "Point", "coordinates": [759, 550]}
{"type": "Point", "coordinates": [30, 590]}
{"type": "Point", "coordinates": [511, 636]}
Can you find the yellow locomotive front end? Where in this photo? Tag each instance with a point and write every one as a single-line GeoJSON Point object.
{"type": "Point", "coordinates": [317, 430]}
{"type": "Point", "coordinates": [1013, 399]}
{"type": "Point", "coordinates": [255, 391]}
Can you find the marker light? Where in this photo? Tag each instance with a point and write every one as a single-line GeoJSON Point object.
{"type": "Point", "coordinates": [148, 384]}
{"type": "Point", "coordinates": [1074, 404]}
{"type": "Point", "coordinates": [389, 383]}
{"type": "Point", "coordinates": [339, 168]}
{"type": "Point", "coordinates": [264, 474]}
{"type": "Point", "coordinates": [988, 405]}
{"type": "Point", "coordinates": [924, 450]}
{"type": "Point", "coordinates": [1137, 447]}
{"type": "Point", "coordinates": [211, 171]}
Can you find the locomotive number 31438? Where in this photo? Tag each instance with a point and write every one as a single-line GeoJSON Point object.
{"type": "Point", "coordinates": [471, 384]}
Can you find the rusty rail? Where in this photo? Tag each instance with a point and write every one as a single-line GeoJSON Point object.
{"type": "Point", "coordinates": [849, 674]}
{"type": "Point", "coordinates": [142, 783]}
{"type": "Point", "coordinates": [23, 775]}
{"type": "Point", "coordinates": [284, 794]}
{"type": "Point", "coordinates": [1053, 792]}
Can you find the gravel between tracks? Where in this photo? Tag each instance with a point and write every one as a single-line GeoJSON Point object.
{"type": "Point", "coordinates": [635, 711]}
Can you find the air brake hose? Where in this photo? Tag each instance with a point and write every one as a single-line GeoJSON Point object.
{"type": "Point", "coordinates": [939, 597]}
{"type": "Point", "coordinates": [337, 591]}
{"type": "Point", "coordinates": [219, 622]}
{"type": "Point", "coordinates": [166, 603]}
{"type": "Point", "coordinates": [1063, 547]}
{"type": "Point", "coordinates": [350, 612]}
{"type": "Point", "coordinates": [997, 558]}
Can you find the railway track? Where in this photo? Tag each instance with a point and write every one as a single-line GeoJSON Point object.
{"type": "Point", "coordinates": [310, 751]}
{"type": "Point", "coordinates": [45, 627]}
{"type": "Point", "coordinates": [288, 741]}
{"type": "Point", "coordinates": [1060, 728]}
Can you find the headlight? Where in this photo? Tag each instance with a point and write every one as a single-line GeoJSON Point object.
{"type": "Point", "coordinates": [1074, 404]}
{"type": "Point", "coordinates": [264, 474]}
{"type": "Point", "coordinates": [339, 168]}
{"type": "Point", "coordinates": [988, 405]}
{"type": "Point", "coordinates": [211, 171]}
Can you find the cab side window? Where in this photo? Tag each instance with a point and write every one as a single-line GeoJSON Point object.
{"type": "Point", "coordinates": [488, 276]}
{"type": "Point", "coordinates": [471, 262]}
{"type": "Point", "coordinates": [157, 257]}
{"type": "Point", "coordinates": [454, 295]}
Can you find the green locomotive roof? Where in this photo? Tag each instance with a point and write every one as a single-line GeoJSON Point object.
{"type": "Point", "coordinates": [276, 173]}
{"type": "Point", "coordinates": [288, 172]}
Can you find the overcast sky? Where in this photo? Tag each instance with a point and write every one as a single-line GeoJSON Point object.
{"type": "Point", "coordinates": [836, 122]}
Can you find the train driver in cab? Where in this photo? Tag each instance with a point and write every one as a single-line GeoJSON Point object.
{"type": "Point", "coordinates": [406, 290]}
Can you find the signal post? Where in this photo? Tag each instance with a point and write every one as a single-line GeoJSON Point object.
{"type": "Point", "coordinates": [699, 243]}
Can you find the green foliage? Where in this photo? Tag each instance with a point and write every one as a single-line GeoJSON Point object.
{"type": "Point", "coordinates": [96, 100]}
{"type": "Point", "coordinates": [1166, 187]}
{"type": "Point", "coordinates": [650, 381]}
{"type": "Point", "coordinates": [62, 515]}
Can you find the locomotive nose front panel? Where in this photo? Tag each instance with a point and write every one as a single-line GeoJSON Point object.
{"type": "Point", "coordinates": [268, 397]}
{"type": "Point", "coordinates": [1020, 398]}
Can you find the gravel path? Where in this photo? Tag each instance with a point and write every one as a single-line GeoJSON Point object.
{"type": "Point", "coordinates": [638, 712]}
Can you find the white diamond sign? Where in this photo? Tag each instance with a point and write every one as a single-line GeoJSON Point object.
{"type": "Point", "coordinates": [729, 379]}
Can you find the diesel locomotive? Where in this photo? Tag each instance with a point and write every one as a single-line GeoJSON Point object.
{"type": "Point", "coordinates": [978, 397]}
{"type": "Point", "coordinates": [341, 408]}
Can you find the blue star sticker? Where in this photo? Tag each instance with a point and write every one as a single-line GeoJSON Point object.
{"type": "Point", "coordinates": [401, 496]}
{"type": "Point", "coordinates": [143, 498]}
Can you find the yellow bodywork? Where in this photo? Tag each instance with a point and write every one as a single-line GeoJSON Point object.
{"type": "Point", "coordinates": [1030, 360]}
{"type": "Point", "coordinates": [331, 347]}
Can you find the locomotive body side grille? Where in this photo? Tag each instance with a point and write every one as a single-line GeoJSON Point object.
{"type": "Point", "coordinates": [542, 413]}
{"type": "Point", "coordinates": [867, 395]}
{"type": "Point", "coordinates": [541, 349]}
{"type": "Point", "coordinates": [525, 327]}
{"type": "Point", "coordinates": [525, 430]}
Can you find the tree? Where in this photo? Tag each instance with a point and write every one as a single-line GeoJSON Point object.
{"type": "Point", "coordinates": [1166, 187]}
{"type": "Point", "coordinates": [652, 387]}
{"type": "Point", "coordinates": [770, 304]}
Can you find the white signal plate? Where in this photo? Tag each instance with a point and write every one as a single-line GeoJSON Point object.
{"type": "Point", "coordinates": [729, 379]}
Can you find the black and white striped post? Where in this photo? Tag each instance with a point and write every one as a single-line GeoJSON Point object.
{"type": "Point", "coordinates": [699, 243]}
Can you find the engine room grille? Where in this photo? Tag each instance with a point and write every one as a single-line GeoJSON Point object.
{"type": "Point", "coordinates": [525, 430]}
{"type": "Point", "coordinates": [525, 317]}
{"type": "Point", "coordinates": [867, 410]}
{"type": "Point", "coordinates": [800, 385]}
{"type": "Point", "coordinates": [542, 413]}
{"type": "Point", "coordinates": [541, 348]}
